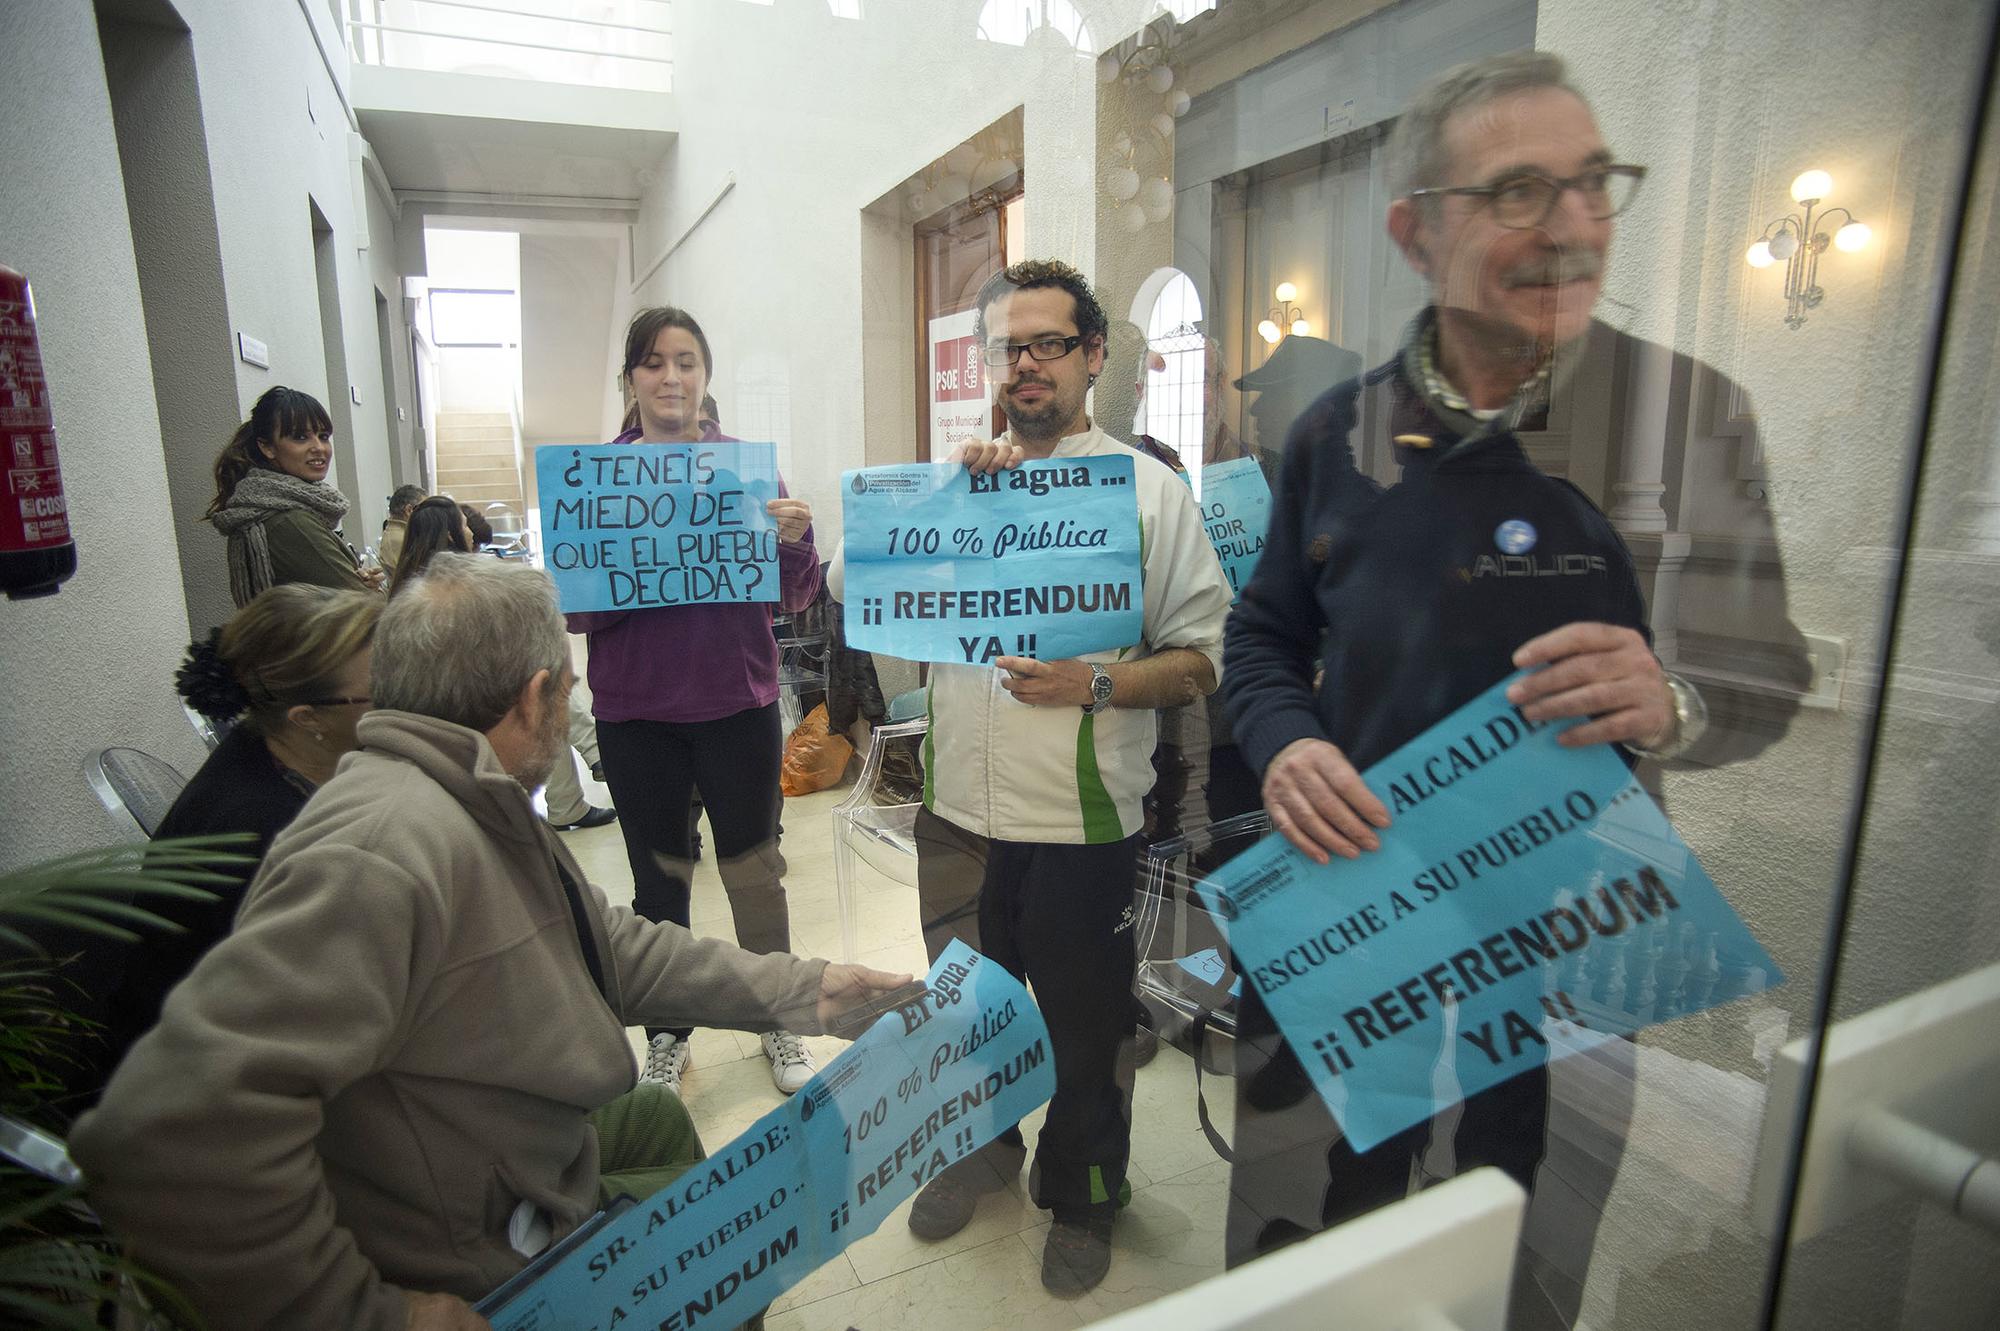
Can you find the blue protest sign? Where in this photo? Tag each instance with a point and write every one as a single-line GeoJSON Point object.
{"type": "Point", "coordinates": [1040, 561]}
{"type": "Point", "coordinates": [926, 1085]}
{"type": "Point", "coordinates": [1236, 513]}
{"type": "Point", "coordinates": [1529, 901]}
{"type": "Point", "coordinates": [627, 526]}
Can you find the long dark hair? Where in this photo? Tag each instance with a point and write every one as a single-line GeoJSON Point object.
{"type": "Point", "coordinates": [434, 525]}
{"type": "Point", "coordinates": [281, 413]}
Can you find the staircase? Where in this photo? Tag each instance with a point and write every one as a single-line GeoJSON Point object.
{"type": "Point", "coordinates": [478, 464]}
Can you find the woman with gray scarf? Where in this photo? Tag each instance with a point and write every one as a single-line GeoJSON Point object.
{"type": "Point", "coordinates": [273, 503]}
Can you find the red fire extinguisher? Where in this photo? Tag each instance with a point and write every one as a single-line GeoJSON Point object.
{"type": "Point", "coordinates": [36, 553]}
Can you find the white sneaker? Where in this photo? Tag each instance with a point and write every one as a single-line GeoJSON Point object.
{"type": "Point", "coordinates": [666, 1059]}
{"type": "Point", "coordinates": [791, 1066]}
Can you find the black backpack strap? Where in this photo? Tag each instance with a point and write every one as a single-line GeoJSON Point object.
{"type": "Point", "coordinates": [1198, 1036]}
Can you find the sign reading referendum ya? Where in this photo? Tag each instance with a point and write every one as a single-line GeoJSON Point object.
{"type": "Point", "coordinates": [627, 526]}
{"type": "Point", "coordinates": [926, 1086]}
{"type": "Point", "coordinates": [1236, 514]}
{"type": "Point", "coordinates": [1528, 901]}
{"type": "Point", "coordinates": [1041, 561]}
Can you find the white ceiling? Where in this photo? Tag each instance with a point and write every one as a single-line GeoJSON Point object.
{"type": "Point", "coordinates": [474, 134]}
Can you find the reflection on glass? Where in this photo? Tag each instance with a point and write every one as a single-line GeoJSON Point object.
{"type": "Point", "coordinates": [1465, 373]}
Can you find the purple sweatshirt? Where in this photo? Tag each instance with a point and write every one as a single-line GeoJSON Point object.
{"type": "Point", "coordinates": [694, 662]}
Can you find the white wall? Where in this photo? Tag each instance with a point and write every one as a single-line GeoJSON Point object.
{"type": "Point", "coordinates": [93, 665]}
{"type": "Point", "coordinates": [816, 118]}
{"type": "Point", "coordinates": [385, 276]}
{"type": "Point", "coordinates": [278, 136]}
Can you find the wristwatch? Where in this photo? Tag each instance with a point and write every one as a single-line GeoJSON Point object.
{"type": "Point", "coordinates": [1100, 689]}
{"type": "Point", "coordinates": [1690, 722]}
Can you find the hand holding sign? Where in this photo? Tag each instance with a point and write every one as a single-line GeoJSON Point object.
{"type": "Point", "coordinates": [1046, 683]}
{"type": "Point", "coordinates": [793, 516]}
{"type": "Point", "coordinates": [988, 456]}
{"type": "Point", "coordinates": [1320, 803]}
{"type": "Point", "coordinates": [844, 985]}
{"type": "Point", "coordinates": [1600, 671]}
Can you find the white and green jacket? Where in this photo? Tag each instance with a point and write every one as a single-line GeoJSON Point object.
{"type": "Point", "coordinates": [1011, 772]}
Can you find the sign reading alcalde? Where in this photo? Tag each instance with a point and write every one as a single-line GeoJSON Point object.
{"type": "Point", "coordinates": [1041, 560]}
{"type": "Point", "coordinates": [1528, 901]}
{"type": "Point", "coordinates": [924, 1087]}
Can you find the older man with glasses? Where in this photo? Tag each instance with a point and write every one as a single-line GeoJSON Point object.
{"type": "Point", "coordinates": [405, 1073]}
{"type": "Point", "coordinates": [1418, 554]}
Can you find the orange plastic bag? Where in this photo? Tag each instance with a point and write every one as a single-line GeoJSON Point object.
{"type": "Point", "coordinates": [814, 759]}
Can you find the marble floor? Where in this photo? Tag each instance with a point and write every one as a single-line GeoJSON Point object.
{"type": "Point", "coordinates": [989, 1274]}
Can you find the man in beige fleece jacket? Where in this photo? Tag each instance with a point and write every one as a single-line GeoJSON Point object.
{"type": "Point", "coordinates": [395, 1051]}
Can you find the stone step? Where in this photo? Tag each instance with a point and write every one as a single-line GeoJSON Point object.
{"type": "Point", "coordinates": [501, 454]}
{"type": "Point", "coordinates": [475, 418]}
{"type": "Point", "coordinates": [450, 474]}
{"type": "Point", "coordinates": [478, 495]}
{"type": "Point", "coordinates": [480, 436]}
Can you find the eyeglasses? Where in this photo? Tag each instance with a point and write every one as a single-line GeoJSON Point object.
{"type": "Point", "coordinates": [340, 702]}
{"type": "Point", "coordinates": [1047, 348]}
{"type": "Point", "coordinates": [1527, 199]}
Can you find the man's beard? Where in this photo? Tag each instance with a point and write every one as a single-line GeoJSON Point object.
{"type": "Point", "coordinates": [1042, 421]}
{"type": "Point", "coordinates": [550, 748]}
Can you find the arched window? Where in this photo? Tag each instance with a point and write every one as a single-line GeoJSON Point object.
{"type": "Point", "coordinates": [1176, 363]}
{"type": "Point", "coordinates": [1010, 22]}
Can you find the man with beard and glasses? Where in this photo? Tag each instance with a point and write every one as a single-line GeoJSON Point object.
{"type": "Point", "coordinates": [1418, 553]}
{"type": "Point", "coordinates": [1035, 776]}
{"type": "Point", "coordinates": [406, 1072]}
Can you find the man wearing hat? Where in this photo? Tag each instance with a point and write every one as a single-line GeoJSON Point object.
{"type": "Point", "coordinates": [1299, 370]}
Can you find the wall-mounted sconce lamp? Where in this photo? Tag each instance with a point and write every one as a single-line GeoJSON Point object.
{"type": "Point", "coordinates": [1283, 317]}
{"type": "Point", "coordinates": [1794, 241]}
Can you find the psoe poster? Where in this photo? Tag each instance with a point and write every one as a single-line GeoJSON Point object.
{"type": "Point", "coordinates": [1528, 901]}
{"type": "Point", "coordinates": [958, 385]}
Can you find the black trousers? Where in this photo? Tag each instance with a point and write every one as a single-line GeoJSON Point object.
{"type": "Point", "coordinates": [1295, 1174]}
{"type": "Point", "coordinates": [653, 769]}
{"type": "Point", "coordinates": [1060, 918]}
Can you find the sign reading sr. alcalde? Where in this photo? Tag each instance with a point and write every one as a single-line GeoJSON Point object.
{"type": "Point", "coordinates": [1527, 902]}
{"type": "Point", "coordinates": [927, 1085]}
{"type": "Point", "coordinates": [629, 526]}
{"type": "Point", "coordinates": [1041, 561]}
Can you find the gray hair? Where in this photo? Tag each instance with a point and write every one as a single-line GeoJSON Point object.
{"type": "Point", "coordinates": [1418, 158]}
{"type": "Point", "coordinates": [461, 641]}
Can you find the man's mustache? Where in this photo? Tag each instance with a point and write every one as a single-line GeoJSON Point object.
{"type": "Point", "coordinates": [1571, 266]}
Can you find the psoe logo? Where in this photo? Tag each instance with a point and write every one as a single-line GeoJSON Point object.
{"type": "Point", "coordinates": [1515, 536]}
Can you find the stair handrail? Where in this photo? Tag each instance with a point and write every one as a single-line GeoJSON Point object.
{"type": "Point", "coordinates": [516, 415]}
{"type": "Point", "coordinates": [418, 25]}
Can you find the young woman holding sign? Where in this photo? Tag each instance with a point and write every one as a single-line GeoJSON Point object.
{"type": "Point", "coordinates": [687, 696]}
